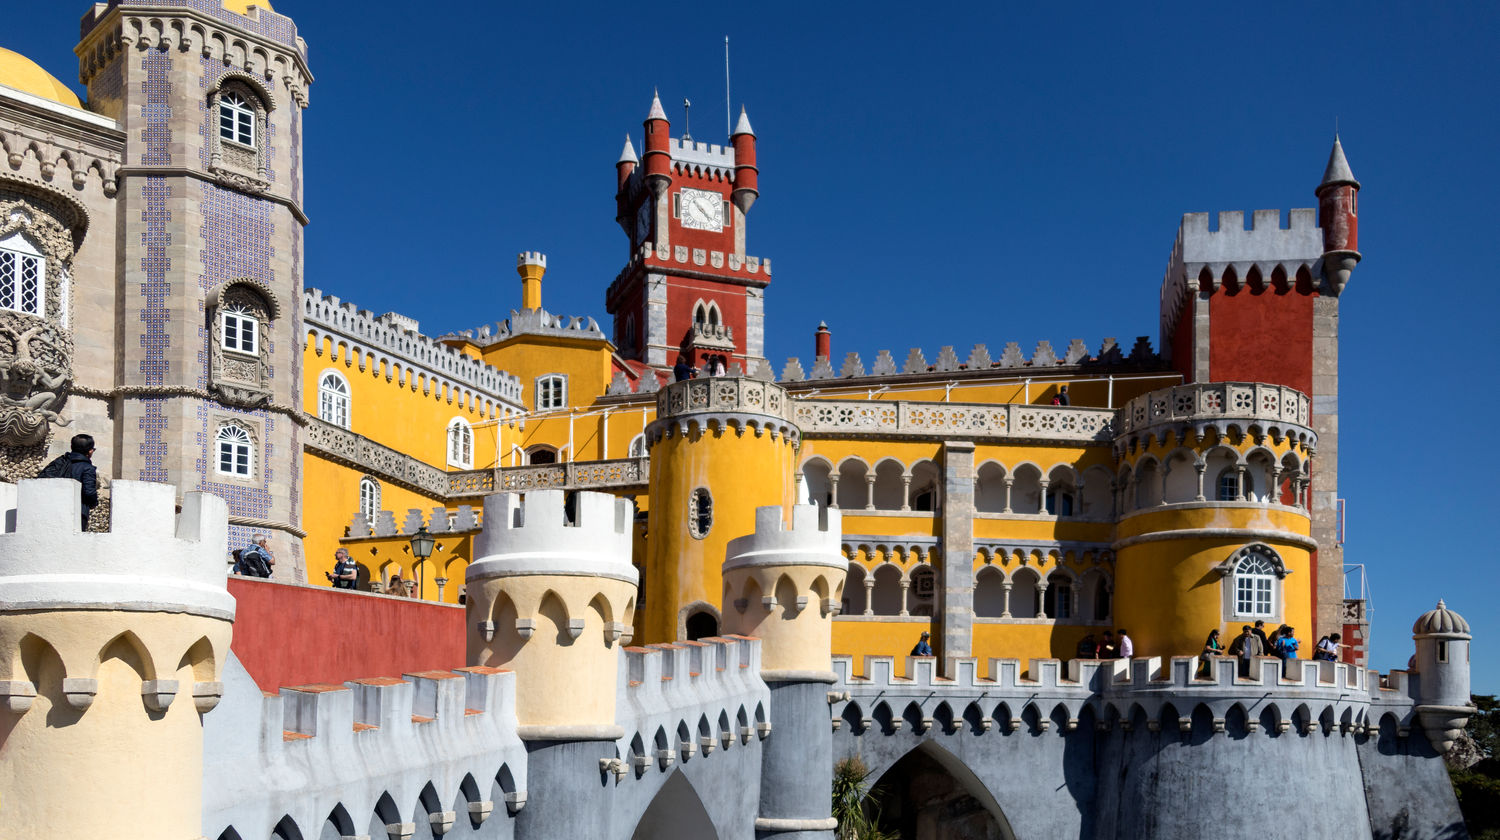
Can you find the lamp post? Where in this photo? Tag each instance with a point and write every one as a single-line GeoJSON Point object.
{"type": "Point", "coordinates": [421, 549]}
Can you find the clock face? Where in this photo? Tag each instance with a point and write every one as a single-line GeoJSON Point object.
{"type": "Point", "coordinates": [643, 221]}
{"type": "Point", "coordinates": [701, 210]}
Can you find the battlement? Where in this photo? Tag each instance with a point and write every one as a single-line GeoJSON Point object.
{"type": "Point", "coordinates": [1043, 358]}
{"type": "Point", "coordinates": [526, 258]}
{"type": "Point", "coordinates": [152, 559]}
{"type": "Point", "coordinates": [533, 322]}
{"type": "Point", "coordinates": [397, 349]}
{"type": "Point", "coordinates": [681, 699]}
{"type": "Point", "coordinates": [705, 159]}
{"type": "Point", "coordinates": [812, 540]}
{"type": "Point", "coordinates": [534, 536]}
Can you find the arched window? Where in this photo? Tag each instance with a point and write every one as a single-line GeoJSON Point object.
{"type": "Point", "coordinates": [541, 455]}
{"type": "Point", "coordinates": [1059, 597]}
{"type": "Point", "coordinates": [333, 399]}
{"type": "Point", "coordinates": [1254, 584]}
{"type": "Point", "coordinates": [369, 500]}
{"type": "Point", "coordinates": [236, 119]}
{"type": "Point", "coordinates": [713, 314]}
{"type": "Point", "coordinates": [1228, 486]}
{"type": "Point", "coordinates": [22, 276]}
{"type": "Point", "coordinates": [460, 444]}
{"type": "Point", "coordinates": [638, 446]}
{"type": "Point", "coordinates": [551, 392]}
{"type": "Point", "coordinates": [234, 451]}
{"type": "Point", "coordinates": [700, 314]}
{"type": "Point", "coordinates": [241, 329]}
{"type": "Point", "coordinates": [700, 513]}
{"type": "Point", "coordinates": [1059, 502]}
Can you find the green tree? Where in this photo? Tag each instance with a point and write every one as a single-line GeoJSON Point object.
{"type": "Point", "coordinates": [856, 819]}
{"type": "Point", "coordinates": [1478, 786]}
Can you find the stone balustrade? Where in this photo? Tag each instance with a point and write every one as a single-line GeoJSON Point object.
{"type": "Point", "coordinates": [1251, 406]}
{"type": "Point", "coordinates": [901, 418]}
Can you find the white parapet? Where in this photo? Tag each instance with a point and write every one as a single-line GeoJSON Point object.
{"type": "Point", "coordinates": [533, 536]}
{"type": "Point", "coordinates": [813, 540]}
{"type": "Point", "coordinates": [152, 560]}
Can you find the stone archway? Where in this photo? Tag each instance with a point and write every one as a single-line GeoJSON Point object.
{"type": "Point", "coordinates": [676, 812]}
{"type": "Point", "coordinates": [929, 794]}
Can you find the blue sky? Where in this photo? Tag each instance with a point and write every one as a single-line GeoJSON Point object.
{"type": "Point", "coordinates": [944, 175]}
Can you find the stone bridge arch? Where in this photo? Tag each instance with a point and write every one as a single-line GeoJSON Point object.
{"type": "Point", "coordinates": [928, 785]}
{"type": "Point", "coordinates": [676, 811]}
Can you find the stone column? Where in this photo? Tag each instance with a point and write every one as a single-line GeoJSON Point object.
{"type": "Point", "coordinates": [1202, 468]}
{"type": "Point", "coordinates": [1010, 482]}
{"type": "Point", "coordinates": [870, 491]}
{"type": "Point", "coordinates": [906, 492]}
{"type": "Point", "coordinates": [870, 594]}
{"type": "Point", "coordinates": [905, 586]}
{"type": "Point", "coordinates": [1005, 588]}
{"type": "Point", "coordinates": [833, 490]}
{"type": "Point", "coordinates": [955, 600]}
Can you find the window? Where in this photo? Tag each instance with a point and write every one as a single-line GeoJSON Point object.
{"type": "Point", "coordinates": [1059, 503]}
{"type": "Point", "coordinates": [234, 447]}
{"type": "Point", "coordinates": [241, 329]}
{"type": "Point", "coordinates": [1059, 597]}
{"type": "Point", "coordinates": [333, 398]}
{"type": "Point", "coordinates": [1253, 578]}
{"type": "Point", "coordinates": [460, 444]}
{"type": "Point", "coordinates": [551, 392]}
{"type": "Point", "coordinates": [369, 500]}
{"type": "Point", "coordinates": [700, 513]}
{"type": "Point", "coordinates": [638, 446]}
{"type": "Point", "coordinates": [1442, 652]}
{"type": "Point", "coordinates": [236, 119]}
{"type": "Point", "coordinates": [1228, 486]}
{"type": "Point", "coordinates": [22, 276]}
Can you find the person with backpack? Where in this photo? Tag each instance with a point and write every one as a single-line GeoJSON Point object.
{"type": "Point", "coordinates": [345, 574]}
{"type": "Point", "coordinates": [255, 560]}
{"type": "Point", "coordinates": [1287, 644]}
{"type": "Point", "coordinates": [76, 464]}
{"type": "Point", "coordinates": [1328, 648]}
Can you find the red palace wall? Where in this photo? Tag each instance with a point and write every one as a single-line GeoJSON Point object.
{"type": "Point", "coordinates": [1265, 337]}
{"type": "Point", "coordinates": [1182, 342]}
{"type": "Point", "coordinates": [290, 634]}
{"type": "Point", "coordinates": [685, 293]}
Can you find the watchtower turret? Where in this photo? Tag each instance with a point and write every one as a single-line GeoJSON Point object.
{"type": "Point", "coordinates": [111, 646]}
{"type": "Point", "coordinates": [1338, 217]}
{"type": "Point", "coordinates": [532, 266]}
{"type": "Point", "coordinates": [551, 595]}
{"type": "Point", "coordinates": [1442, 660]}
{"type": "Point", "coordinates": [658, 155]}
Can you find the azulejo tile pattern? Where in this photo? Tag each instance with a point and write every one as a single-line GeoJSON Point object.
{"type": "Point", "coordinates": [157, 109]}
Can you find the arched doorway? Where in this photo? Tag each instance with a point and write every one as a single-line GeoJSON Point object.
{"type": "Point", "coordinates": [930, 793]}
{"type": "Point", "coordinates": [676, 812]}
{"type": "Point", "coordinates": [701, 625]}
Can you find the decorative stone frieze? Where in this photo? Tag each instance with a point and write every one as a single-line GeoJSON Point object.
{"type": "Point", "coordinates": [721, 402]}
{"type": "Point", "coordinates": [899, 418]}
{"type": "Point", "coordinates": [1251, 408]}
{"type": "Point", "coordinates": [360, 452]}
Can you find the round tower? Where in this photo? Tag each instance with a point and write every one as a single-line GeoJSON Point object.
{"type": "Point", "coordinates": [1443, 702]}
{"type": "Point", "coordinates": [550, 595]}
{"type": "Point", "coordinates": [114, 644]}
{"type": "Point", "coordinates": [720, 448]}
{"type": "Point", "coordinates": [532, 266]}
{"type": "Point", "coordinates": [624, 168]}
{"type": "Point", "coordinates": [784, 586]}
{"type": "Point", "coordinates": [822, 341]}
{"type": "Point", "coordinates": [1210, 492]}
{"type": "Point", "coordinates": [658, 154]}
{"type": "Point", "coordinates": [1338, 216]}
{"type": "Point", "coordinates": [746, 176]}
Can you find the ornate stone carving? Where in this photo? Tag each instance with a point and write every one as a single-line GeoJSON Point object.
{"type": "Point", "coordinates": [238, 378]}
{"type": "Point", "coordinates": [36, 368]}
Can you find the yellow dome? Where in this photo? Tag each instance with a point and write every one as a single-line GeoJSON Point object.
{"type": "Point", "coordinates": [23, 74]}
{"type": "Point", "coordinates": [242, 7]}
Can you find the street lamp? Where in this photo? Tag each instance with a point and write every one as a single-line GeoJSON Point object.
{"type": "Point", "coordinates": [421, 549]}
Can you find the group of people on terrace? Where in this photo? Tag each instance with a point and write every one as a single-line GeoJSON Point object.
{"type": "Point", "coordinates": [1282, 643]}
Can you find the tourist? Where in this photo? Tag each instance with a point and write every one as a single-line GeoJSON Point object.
{"type": "Point", "coordinates": [1212, 647]}
{"type": "Point", "coordinates": [1260, 633]}
{"type": "Point", "coordinates": [1328, 648]}
{"type": "Point", "coordinates": [255, 560]}
{"type": "Point", "coordinates": [1062, 396]}
{"type": "Point", "coordinates": [716, 366]}
{"type": "Point", "coordinates": [1125, 646]}
{"type": "Point", "coordinates": [682, 370]}
{"type": "Point", "coordinates": [1246, 646]}
{"type": "Point", "coordinates": [1274, 648]}
{"type": "Point", "coordinates": [345, 573]}
{"type": "Point", "coordinates": [1088, 647]}
{"type": "Point", "coordinates": [922, 648]}
{"type": "Point", "coordinates": [1107, 649]}
{"type": "Point", "coordinates": [1286, 646]}
{"type": "Point", "coordinates": [76, 464]}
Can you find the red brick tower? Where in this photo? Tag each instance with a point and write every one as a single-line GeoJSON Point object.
{"type": "Point", "coordinates": [689, 289]}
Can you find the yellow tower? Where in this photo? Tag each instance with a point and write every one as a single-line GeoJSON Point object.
{"type": "Point", "coordinates": [550, 595]}
{"type": "Point", "coordinates": [114, 644]}
{"type": "Point", "coordinates": [1214, 530]}
{"type": "Point", "coordinates": [720, 448]}
{"type": "Point", "coordinates": [531, 265]}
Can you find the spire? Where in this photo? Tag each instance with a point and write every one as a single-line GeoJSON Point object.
{"type": "Point", "coordinates": [656, 110]}
{"type": "Point", "coordinates": [1338, 168]}
{"type": "Point", "coordinates": [743, 126]}
{"type": "Point", "coordinates": [627, 154]}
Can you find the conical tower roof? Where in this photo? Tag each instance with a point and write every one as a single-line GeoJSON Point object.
{"type": "Point", "coordinates": [743, 126]}
{"type": "Point", "coordinates": [627, 154]}
{"type": "Point", "coordinates": [1338, 171]}
{"type": "Point", "coordinates": [656, 110]}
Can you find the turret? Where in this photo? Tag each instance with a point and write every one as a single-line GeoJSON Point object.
{"type": "Point", "coordinates": [746, 176]}
{"type": "Point", "coordinates": [658, 156]}
{"type": "Point", "coordinates": [532, 266]}
{"type": "Point", "coordinates": [625, 165]}
{"type": "Point", "coordinates": [1443, 702]}
{"type": "Point", "coordinates": [551, 597]}
{"type": "Point", "coordinates": [1338, 216]}
{"type": "Point", "coordinates": [822, 342]}
{"type": "Point", "coordinates": [784, 585]}
{"type": "Point", "coordinates": [112, 647]}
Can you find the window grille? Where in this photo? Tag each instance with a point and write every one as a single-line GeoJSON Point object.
{"type": "Point", "coordinates": [236, 119]}
{"type": "Point", "coordinates": [701, 514]}
{"type": "Point", "coordinates": [1254, 578]}
{"type": "Point", "coordinates": [333, 400]}
{"type": "Point", "coordinates": [369, 500]}
{"type": "Point", "coordinates": [234, 447]}
{"type": "Point", "coordinates": [460, 444]}
{"type": "Point", "coordinates": [551, 393]}
{"type": "Point", "coordinates": [21, 281]}
{"type": "Point", "coordinates": [241, 330]}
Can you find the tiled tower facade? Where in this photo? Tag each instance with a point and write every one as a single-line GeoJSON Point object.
{"type": "Point", "coordinates": [206, 277]}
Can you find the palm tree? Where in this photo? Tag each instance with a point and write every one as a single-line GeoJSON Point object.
{"type": "Point", "coordinates": [850, 788]}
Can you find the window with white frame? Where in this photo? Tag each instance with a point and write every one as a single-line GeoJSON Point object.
{"type": "Point", "coordinates": [369, 500]}
{"type": "Point", "coordinates": [236, 119]}
{"type": "Point", "coordinates": [638, 446]}
{"type": "Point", "coordinates": [333, 399]}
{"type": "Point", "coordinates": [241, 329]}
{"type": "Point", "coordinates": [235, 451]}
{"type": "Point", "coordinates": [551, 392]}
{"type": "Point", "coordinates": [1228, 489]}
{"type": "Point", "coordinates": [23, 276]}
{"type": "Point", "coordinates": [460, 444]}
{"type": "Point", "coordinates": [1254, 584]}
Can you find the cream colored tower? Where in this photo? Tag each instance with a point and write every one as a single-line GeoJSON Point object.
{"type": "Point", "coordinates": [113, 645]}
{"type": "Point", "coordinates": [551, 595]}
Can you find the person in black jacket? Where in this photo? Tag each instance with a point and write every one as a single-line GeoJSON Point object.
{"type": "Point", "coordinates": [77, 466]}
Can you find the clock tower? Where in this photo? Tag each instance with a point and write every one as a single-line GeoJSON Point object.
{"type": "Point", "coordinates": [688, 289]}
